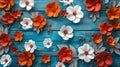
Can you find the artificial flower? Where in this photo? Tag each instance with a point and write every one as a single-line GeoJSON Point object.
{"type": "Point", "coordinates": [93, 5]}
{"type": "Point", "coordinates": [86, 53]}
{"type": "Point", "coordinates": [67, 2]}
{"type": "Point", "coordinates": [18, 36]}
{"type": "Point", "coordinates": [14, 50]}
{"type": "Point", "coordinates": [39, 21]}
{"type": "Point", "coordinates": [47, 42]}
{"type": "Point", "coordinates": [27, 23]}
{"type": "Point", "coordinates": [5, 40]}
{"type": "Point", "coordinates": [111, 41]}
{"type": "Point", "coordinates": [6, 4]}
{"type": "Point", "coordinates": [106, 28]}
{"type": "Point", "coordinates": [52, 9]}
{"type": "Point", "coordinates": [113, 13]}
{"type": "Point", "coordinates": [63, 13]}
{"type": "Point", "coordinates": [66, 32]}
{"type": "Point", "coordinates": [26, 58]}
{"type": "Point", "coordinates": [116, 25]}
{"type": "Point", "coordinates": [104, 59]}
{"type": "Point", "coordinates": [60, 64]}
{"type": "Point", "coordinates": [74, 13]}
{"type": "Point", "coordinates": [16, 14]}
{"type": "Point", "coordinates": [6, 60]}
{"type": "Point", "coordinates": [8, 18]}
{"type": "Point", "coordinates": [28, 4]}
{"type": "Point", "coordinates": [65, 54]}
{"type": "Point", "coordinates": [30, 46]}
{"type": "Point", "coordinates": [97, 38]}
{"type": "Point", "coordinates": [46, 58]}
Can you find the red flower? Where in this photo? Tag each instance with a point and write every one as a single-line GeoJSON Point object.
{"type": "Point", "coordinates": [65, 54]}
{"type": "Point", "coordinates": [7, 18]}
{"type": "Point", "coordinates": [14, 50]}
{"type": "Point", "coordinates": [106, 28]}
{"type": "Point", "coordinates": [5, 40]}
{"type": "Point", "coordinates": [93, 5]}
{"type": "Point", "coordinates": [104, 59]}
{"type": "Point", "coordinates": [63, 13]}
{"type": "Point", "coordinates": [16, 14]}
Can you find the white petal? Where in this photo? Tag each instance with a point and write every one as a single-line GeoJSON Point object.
{"type": "Point", "coordinates": [91, 50]}
{"type": "Point", "coordinates": [28, 8]}
{"type": "Point", "coordinates": [71, 1]}
{"type": "Point", "coordinates": [31, 3]}
{"type": "Point", "coordinates": [69, 35]}
{"type": "Point", "coordinates": [86, 47]}
{"type": "Point", "coordinates": [69, 29]}
{"type": "Point", "coordinates": [80, 50]}
{"type": "Point", "coordinates": [70, 10]}
{"type": "Point", "coordinates": [86, 59]}
{"type": "Point", "coordinates": [60, 64]}
{"type": "Point", "coordinates": [80, 14]}
{"type": "Point", "coordinates": [91, 56]}
{"type": "Point", "coordinates": [77, 8]}
{"type": "Point", "coordinates": [32, 50]}
{"type": "Point", "coordinates": [22, 3]}
{"type": "Point", "coordinates": [81, 56]}
{"type": "Point", "coordinates": [77, 20]}
{"type": "Point", "coordinates": [61, 34]}
{"type": "Point", "coordinates": [65, 38]}
{"type": "Point", "coordinates": [71, 17]}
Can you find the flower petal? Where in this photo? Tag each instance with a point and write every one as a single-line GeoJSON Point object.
{"type": "Point", "coordinates": [70, 9]}
{"type": "Point", "coordinates": [71, 17]}
{"type": "Point", "coordinates": [77, 8]}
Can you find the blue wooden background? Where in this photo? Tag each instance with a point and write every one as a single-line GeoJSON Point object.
{"type": "Point", "coordinates": [81, 30]}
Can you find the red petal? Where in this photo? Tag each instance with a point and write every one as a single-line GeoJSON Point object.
{"type": "Point", "coordinates": [100, 63]}
{"type": "Point", "coordinates": [108, 33]}
{"type": "Point", "coordinates": [90, 8]}
{"type": "Point", "coordinates": [108, 60]}
{"type": "Point", "coordinates": [97, 7]}
{"type": "Point", "coordinates": [102, 31]}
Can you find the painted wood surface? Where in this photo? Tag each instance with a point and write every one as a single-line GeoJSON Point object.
{"type": "Point", "coordinates": [84, 29]}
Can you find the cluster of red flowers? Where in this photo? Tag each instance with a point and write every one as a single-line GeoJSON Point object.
{"type": "Point", "coordinates": [9, 18]}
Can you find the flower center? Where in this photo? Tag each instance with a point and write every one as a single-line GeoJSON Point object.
{"type": "Point", "coordinates": [6, 60]}
{"type": "Point", "coordinates": [31, 46]}
{"type": "Point", "coordinates": [48, 43]}
{"type": "Point", "coordinates": [74, 13]}
{"type": "Point", "coordinates": [64, 54]}
{"type": "Point", "coordinates": [65, 32]}
{"type": "Point", "coordinates": [86, 52]}
{"type": "Point", "coordinates": [27, 3]}
{"type": "Point", "coordinates": [26, 23]}
{"type": "Point", "coordinates": [60, 65]}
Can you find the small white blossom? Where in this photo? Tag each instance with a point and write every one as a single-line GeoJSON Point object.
{"type": "Point", "coordinates": [27, 23]}
{"type": "Point", "coordinates": [28, 4]}
{"type": "Point", "coordinates": [60, 64]}
{"type": "Point", "coordinates": [66, 32]}
{"type": "Point", "coordinates": [5, 60]}
{"type": "Point", "coordinates": [30, 46]}
{"type": "Point", "coordinates": [47, 42]}
{"type": "Point", "coordinates": [74, 13]}
{"type": "Point", "coordinates": [86, 53]}
{"type": "Point", "coordinates": [67, 2]}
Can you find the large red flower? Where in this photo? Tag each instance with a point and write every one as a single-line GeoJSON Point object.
{"type": "Point", "coordinates": [5, 40]}
{"type": "Point", "coordinates": [104, 59]}
{"type": "Point", "coordinates": [93, 5]}
{"type": "Point", "coordinates": [106, 28]}
{"type": "Point", "coordinates": [8, 18]}
{"type": "Point", "coordinates": [65, 54]}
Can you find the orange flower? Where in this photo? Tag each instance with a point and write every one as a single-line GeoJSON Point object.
{"type": "Point", "coordinates": [46, 58]}
{"type": "Point", "coordinates": [39, 21]}
{"type": "Point", "coordinates": [26, 58]}
{"type": "Point", "coordinates": [18, 36]}
{"type": "Point", "coordinates": [63, 13]}
{"type": "Point", "coordinates": [52, 9]}
{"type": "Point", "coordinates": [116, 25]}
{"type": "Point", "coordinates": [113, 13]}
{"type": "Point", "coordinates": [111, 41]}
{"type": "Point", "coordinates": [6, 4]}
{"type": "Point", "coordinates": [97, 38]}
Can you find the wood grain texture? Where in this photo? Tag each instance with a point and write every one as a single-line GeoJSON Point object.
{"type": "Point", "coordinates": [84, 29]}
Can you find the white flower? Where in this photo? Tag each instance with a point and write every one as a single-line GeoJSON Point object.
{"type": "Point", "coordinates": [30, 46]}
{"type": "Point", "coordinates": [60, 64]}
{"type": "Point", "coordinates": [27, 23]}
{"type": "Point", "coordinates": [28, 4]}
{"type": "Point", "coordinates": [66, 32]}
{"type": "Point", "coordinates": [6, 60]}
{"type": "Point", "coordinates": [66, 2]}
{"type": "Point", "coordinates": [74, 13]}
{"type": "Point", "coordinates": [47, 42]}
{"type": "Point", "coordinates": [86, 53]}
